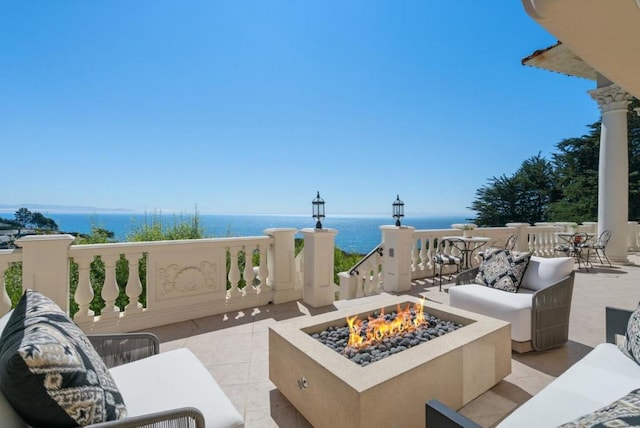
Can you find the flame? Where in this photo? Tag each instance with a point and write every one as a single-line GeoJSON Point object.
{"type": "Point", "coordinates": [378, 327]}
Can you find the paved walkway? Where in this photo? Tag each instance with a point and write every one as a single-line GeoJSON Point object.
{"type": "Point", "coordinates": [234, 347]}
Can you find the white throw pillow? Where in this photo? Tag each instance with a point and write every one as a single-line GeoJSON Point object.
{"type": "Point", "coordinates": [543, 272]}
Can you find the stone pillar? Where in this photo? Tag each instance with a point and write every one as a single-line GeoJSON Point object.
{"type": "Point", "coordinates": [397, 243]}
{"type": "Point", "coordinates": [522, 231]}
{"type": "Point", "coordinates": [45, 266]}
{"type": "Point", "coordinates": [613, 169]}
{"type": "Point", "coordinates": [319, 253]}
{"type": "Point", "coordinates": [281, 265]}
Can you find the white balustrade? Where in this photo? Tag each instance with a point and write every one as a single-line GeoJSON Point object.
{"type": "Point", "coordinates": [185, 279]}
{"type": "Point", "coordinates": [188, 279]}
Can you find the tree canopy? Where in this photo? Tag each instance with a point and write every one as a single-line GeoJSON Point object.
{"type": "Point", "coordinates": [24, 218]}
{"type": "Point", "coordinates": [564, 188]}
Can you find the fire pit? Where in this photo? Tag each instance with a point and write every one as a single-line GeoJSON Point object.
{"type": "Point", "coordinates": [380, 335]}
{"type": "Point", "coordinates": [331, 390]}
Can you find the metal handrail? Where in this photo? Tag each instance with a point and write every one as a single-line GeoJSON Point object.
{"type": "Point", "coordinates": [377, 249]}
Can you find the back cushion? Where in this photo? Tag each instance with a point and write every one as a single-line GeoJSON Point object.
{"type": "Point", "coordinates": [502, 269]}
{"type": "Point", "coordinates": [543, 272]}
{"type": "Point", "coordinates": [49, 371]}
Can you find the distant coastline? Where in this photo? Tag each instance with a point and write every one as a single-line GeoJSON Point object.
{"type": "Point", "coordinates": [359, 234]}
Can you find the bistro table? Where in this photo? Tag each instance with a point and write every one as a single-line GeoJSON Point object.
{"type": "Point", "coordinates": [572, 247]}
{"type": "Point", "coordinates": [471, 244]}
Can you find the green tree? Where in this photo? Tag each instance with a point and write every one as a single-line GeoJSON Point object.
{"type": "Point", "coordinates": [576, 166]}
{"type": "Point", "coordinates": [23, 217]}
{"type": "Point", "coordinates": [521, 197]}
{"type": "Point", "coordinates": [39, 221]}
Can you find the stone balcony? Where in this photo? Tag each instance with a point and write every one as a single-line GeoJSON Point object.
{"type": "Point", "coordinates": [234, 346]}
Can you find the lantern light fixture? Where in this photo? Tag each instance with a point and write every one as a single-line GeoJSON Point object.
{"type": "Point", "coordinates": [398, 210]}
{"type": "Point", "coordinates": [318, 210]}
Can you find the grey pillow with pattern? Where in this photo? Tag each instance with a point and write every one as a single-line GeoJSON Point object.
{"type": "Point", "coordinates": [630, 346]}
{"type": "Point", "coordinates": [502, 269]}
{"type": "Point", "coordinates": [624, 412]}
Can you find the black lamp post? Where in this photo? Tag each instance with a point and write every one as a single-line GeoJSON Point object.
{"type": "Point", "coordinates": [398, 209]}
{"type": "Point", "coordinates": [318, 210]}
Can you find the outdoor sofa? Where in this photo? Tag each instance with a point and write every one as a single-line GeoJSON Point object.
{"type": "Point", "coordinates": [538, 300]}
{"type": "Point", "coordinates": [53, 375]}
{"type": "Point", "coordinates": [601, 388]}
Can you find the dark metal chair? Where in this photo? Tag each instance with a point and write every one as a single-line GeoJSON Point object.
{"type": "Point", "coordinates": [448, 252]}
{"type": "Point", "coordinates": [573, 247]}
{"type": "Point", "coordinates": [600, 246]}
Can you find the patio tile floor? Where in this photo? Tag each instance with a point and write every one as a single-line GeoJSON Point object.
{"type": "Point", "coordinates": [234, 347]}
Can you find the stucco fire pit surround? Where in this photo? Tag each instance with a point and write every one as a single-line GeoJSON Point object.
{"type": "Point", "coordinates": [330, 390]}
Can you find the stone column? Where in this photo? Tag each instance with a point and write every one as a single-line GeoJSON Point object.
{"type": "Point", "coordinates": [319, 253]}
{"type": "Point", "coordinates": [396, 243]}
{"type": "Point", "coordinates": [45, 266]}
{"type": "Point", "coordinates": [613, 169]}
{"type": "Point", "coordinates": [281, 265]}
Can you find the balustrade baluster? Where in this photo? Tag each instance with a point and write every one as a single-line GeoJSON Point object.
{"type": "Point", "coordinates": [424, 257]}
{"type": "Point", "coordinates": [414, 255]}
{"type": "Point", "coordinates": [263, 270]}
{"type": "Point", "coordinates": [134, 287]}
{"type": "Point", "coordinates": [362, 283]}
{"type": "Point", "coordinates": [5, 301]}
{"type": "Point", "coordinates": [234, 272]}
{"type": "Point", "coordinates": [248, 273]}
{"type": "Point", "coordinates": [84, 292]}
{"type": "Point", "coordinates": [110, 289]}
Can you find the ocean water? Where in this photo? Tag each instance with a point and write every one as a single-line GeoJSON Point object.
{"type": "Point", "coordinates": [355, 233]}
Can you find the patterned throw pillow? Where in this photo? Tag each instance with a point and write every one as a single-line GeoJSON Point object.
{"type": "Point", "coordinates": [49, 371]}
{"type": "Point", "coordinates": [624, 412]}
{"type": "Point", "coordinates": [630, 346]}
{"type": "Point", "coordinates": [502, 269]}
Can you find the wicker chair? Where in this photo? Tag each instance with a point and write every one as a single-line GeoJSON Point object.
{"type": "Point", "coordinates": [119, 349]}
{"type": "Point", "coordinates": [550, 305]}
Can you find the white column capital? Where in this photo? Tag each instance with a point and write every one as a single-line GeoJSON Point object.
{"type": "Point", "coordinates": [610, 98]}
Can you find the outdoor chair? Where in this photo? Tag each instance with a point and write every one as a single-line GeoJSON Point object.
{"type": "Point", "coordinates": [449, 252]}
{"type": "Point", "coordinates": [132, 385]}
{"type": "Point", "coordinates": [538, 309]}
{"type": "Point", "coordinates": [573, 246]}
{"type": "Point", "coordinates": [600, 246]}
{"type": "Point", "coordinates": [509, 244]}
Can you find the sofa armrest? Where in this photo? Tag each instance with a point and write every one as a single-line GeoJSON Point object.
{"type": "Point", "coordinates": [467, 276]}
{"type": "Point", "coordinates": [121, 348]}
{"type": "Point", "coordinates": [616, 322]}
{"type": "Point", "coordinates": [175, 418]}
{"type": "Point", "coordinates": [441, 416]}
{"type": "Point", "coordinates": [550, 310]}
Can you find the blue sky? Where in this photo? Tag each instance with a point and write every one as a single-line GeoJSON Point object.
{"type": "Point", "coordinates": [253, 106]}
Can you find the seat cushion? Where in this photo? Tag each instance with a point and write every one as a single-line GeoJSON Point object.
{"type": "Point", "coordinates": [543, 272]}
{"type": "Point", "coordinates": [50, 373]}
{"type": "Point", "coordinates": [511, 307]}
{"type": "Point", "coordinates": [171, 380]}
{"type": "Point", "coordinates": [597, 380]}
{"type": "Point", "coordinates": [624, 412]}
{"type": "Point", "coordinates": [502, 269]}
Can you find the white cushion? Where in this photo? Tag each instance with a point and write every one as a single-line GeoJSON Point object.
{"type": "Point", "coordinates": [543, 272]}
{"type": "Point", "coordinates": [511, 307]}
{"type": "Point", "coordinates": [604, 375]}
{"type": "Point", "coordinates": [174, 379]}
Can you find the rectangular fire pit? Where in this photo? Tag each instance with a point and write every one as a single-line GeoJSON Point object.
{"type": "Point", "coordinates": [329, 390]}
